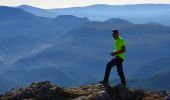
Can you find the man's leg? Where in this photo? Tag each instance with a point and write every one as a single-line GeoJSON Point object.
{"type": "Point", "coordinates": [120, 71]}
{"type": "Point", "coordinates": [109, 65]}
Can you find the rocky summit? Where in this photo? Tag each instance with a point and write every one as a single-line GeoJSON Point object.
{"type": "Point", "coordinates": [47, 91]}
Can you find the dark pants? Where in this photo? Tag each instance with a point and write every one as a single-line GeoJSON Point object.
{"type": "Point", "coordinates": [118, 62]}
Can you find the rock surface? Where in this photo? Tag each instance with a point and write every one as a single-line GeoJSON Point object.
{"type": "Point", "coordinates": [47, 91]}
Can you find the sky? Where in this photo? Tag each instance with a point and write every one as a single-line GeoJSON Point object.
{"type": "Point", "coordinates": [74, 3]}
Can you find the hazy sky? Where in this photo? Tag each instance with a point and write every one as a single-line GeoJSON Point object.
{"type": "Point", "coordinates": [72, 3]}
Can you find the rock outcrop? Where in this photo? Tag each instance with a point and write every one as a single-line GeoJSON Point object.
{"type": "Point", "coordinates": [47, 91]}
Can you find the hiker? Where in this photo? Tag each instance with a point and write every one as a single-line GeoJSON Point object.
{"type": "Point", "coordinates": [119, 56]}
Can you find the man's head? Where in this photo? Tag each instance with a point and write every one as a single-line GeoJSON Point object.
{"type": "Point", "coordinates": [115, 33]}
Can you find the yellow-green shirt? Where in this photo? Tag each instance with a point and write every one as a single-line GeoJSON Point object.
{"type": "Point", "coordinates": [118, 43]}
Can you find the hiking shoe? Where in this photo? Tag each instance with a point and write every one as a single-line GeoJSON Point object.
{"type": "Point", "coordinates": [103, 82]}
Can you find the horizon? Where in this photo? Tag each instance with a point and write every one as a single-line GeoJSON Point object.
{"type": "Point", "coordinates": [88, 5]}
{"type": "Point", "coordinates": [77, 3]}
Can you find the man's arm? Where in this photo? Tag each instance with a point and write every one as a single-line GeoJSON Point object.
{"type": "Point", "coordinates": [123, 49]}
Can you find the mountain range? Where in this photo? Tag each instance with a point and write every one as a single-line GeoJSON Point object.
{"type": "Point", "coordinates": [22, 33]}
{"type": "Point", "coordinates": [81, 51]}
{"type": "Point", "coordinates": [38, 11]}
{"type": "Point", "coordinates": [72, 51]}
{"type": "Point", "coordinates": [139, 13]}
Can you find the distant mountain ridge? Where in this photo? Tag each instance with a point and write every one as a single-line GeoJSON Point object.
{"type": "Point", "coordinates": [160, 65]}
{"type": "Point", "coordinates": [38, 11]}
{"type": "Point", "coordinates": [25, 31]}
{"type": "Point", "coordinates": [70, 21]}
{"type": "Point", "coordinates": [23, 34]}
{"type": "Point", "coordinates": [139, 13]}
{"type": "Point", "coordinates": [158, 81]}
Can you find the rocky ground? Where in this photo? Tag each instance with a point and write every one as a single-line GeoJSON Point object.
{"type": "Point", "coordinates": [47, 91]}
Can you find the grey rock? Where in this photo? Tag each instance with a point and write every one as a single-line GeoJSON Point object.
{"type": "Point", "coordinates": [103, 95]}
{"type": "Point", "coordinates": [167, 98]}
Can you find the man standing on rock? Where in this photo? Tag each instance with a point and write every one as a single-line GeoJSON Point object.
{"type": "Point", "coordinates": [119, 56]}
